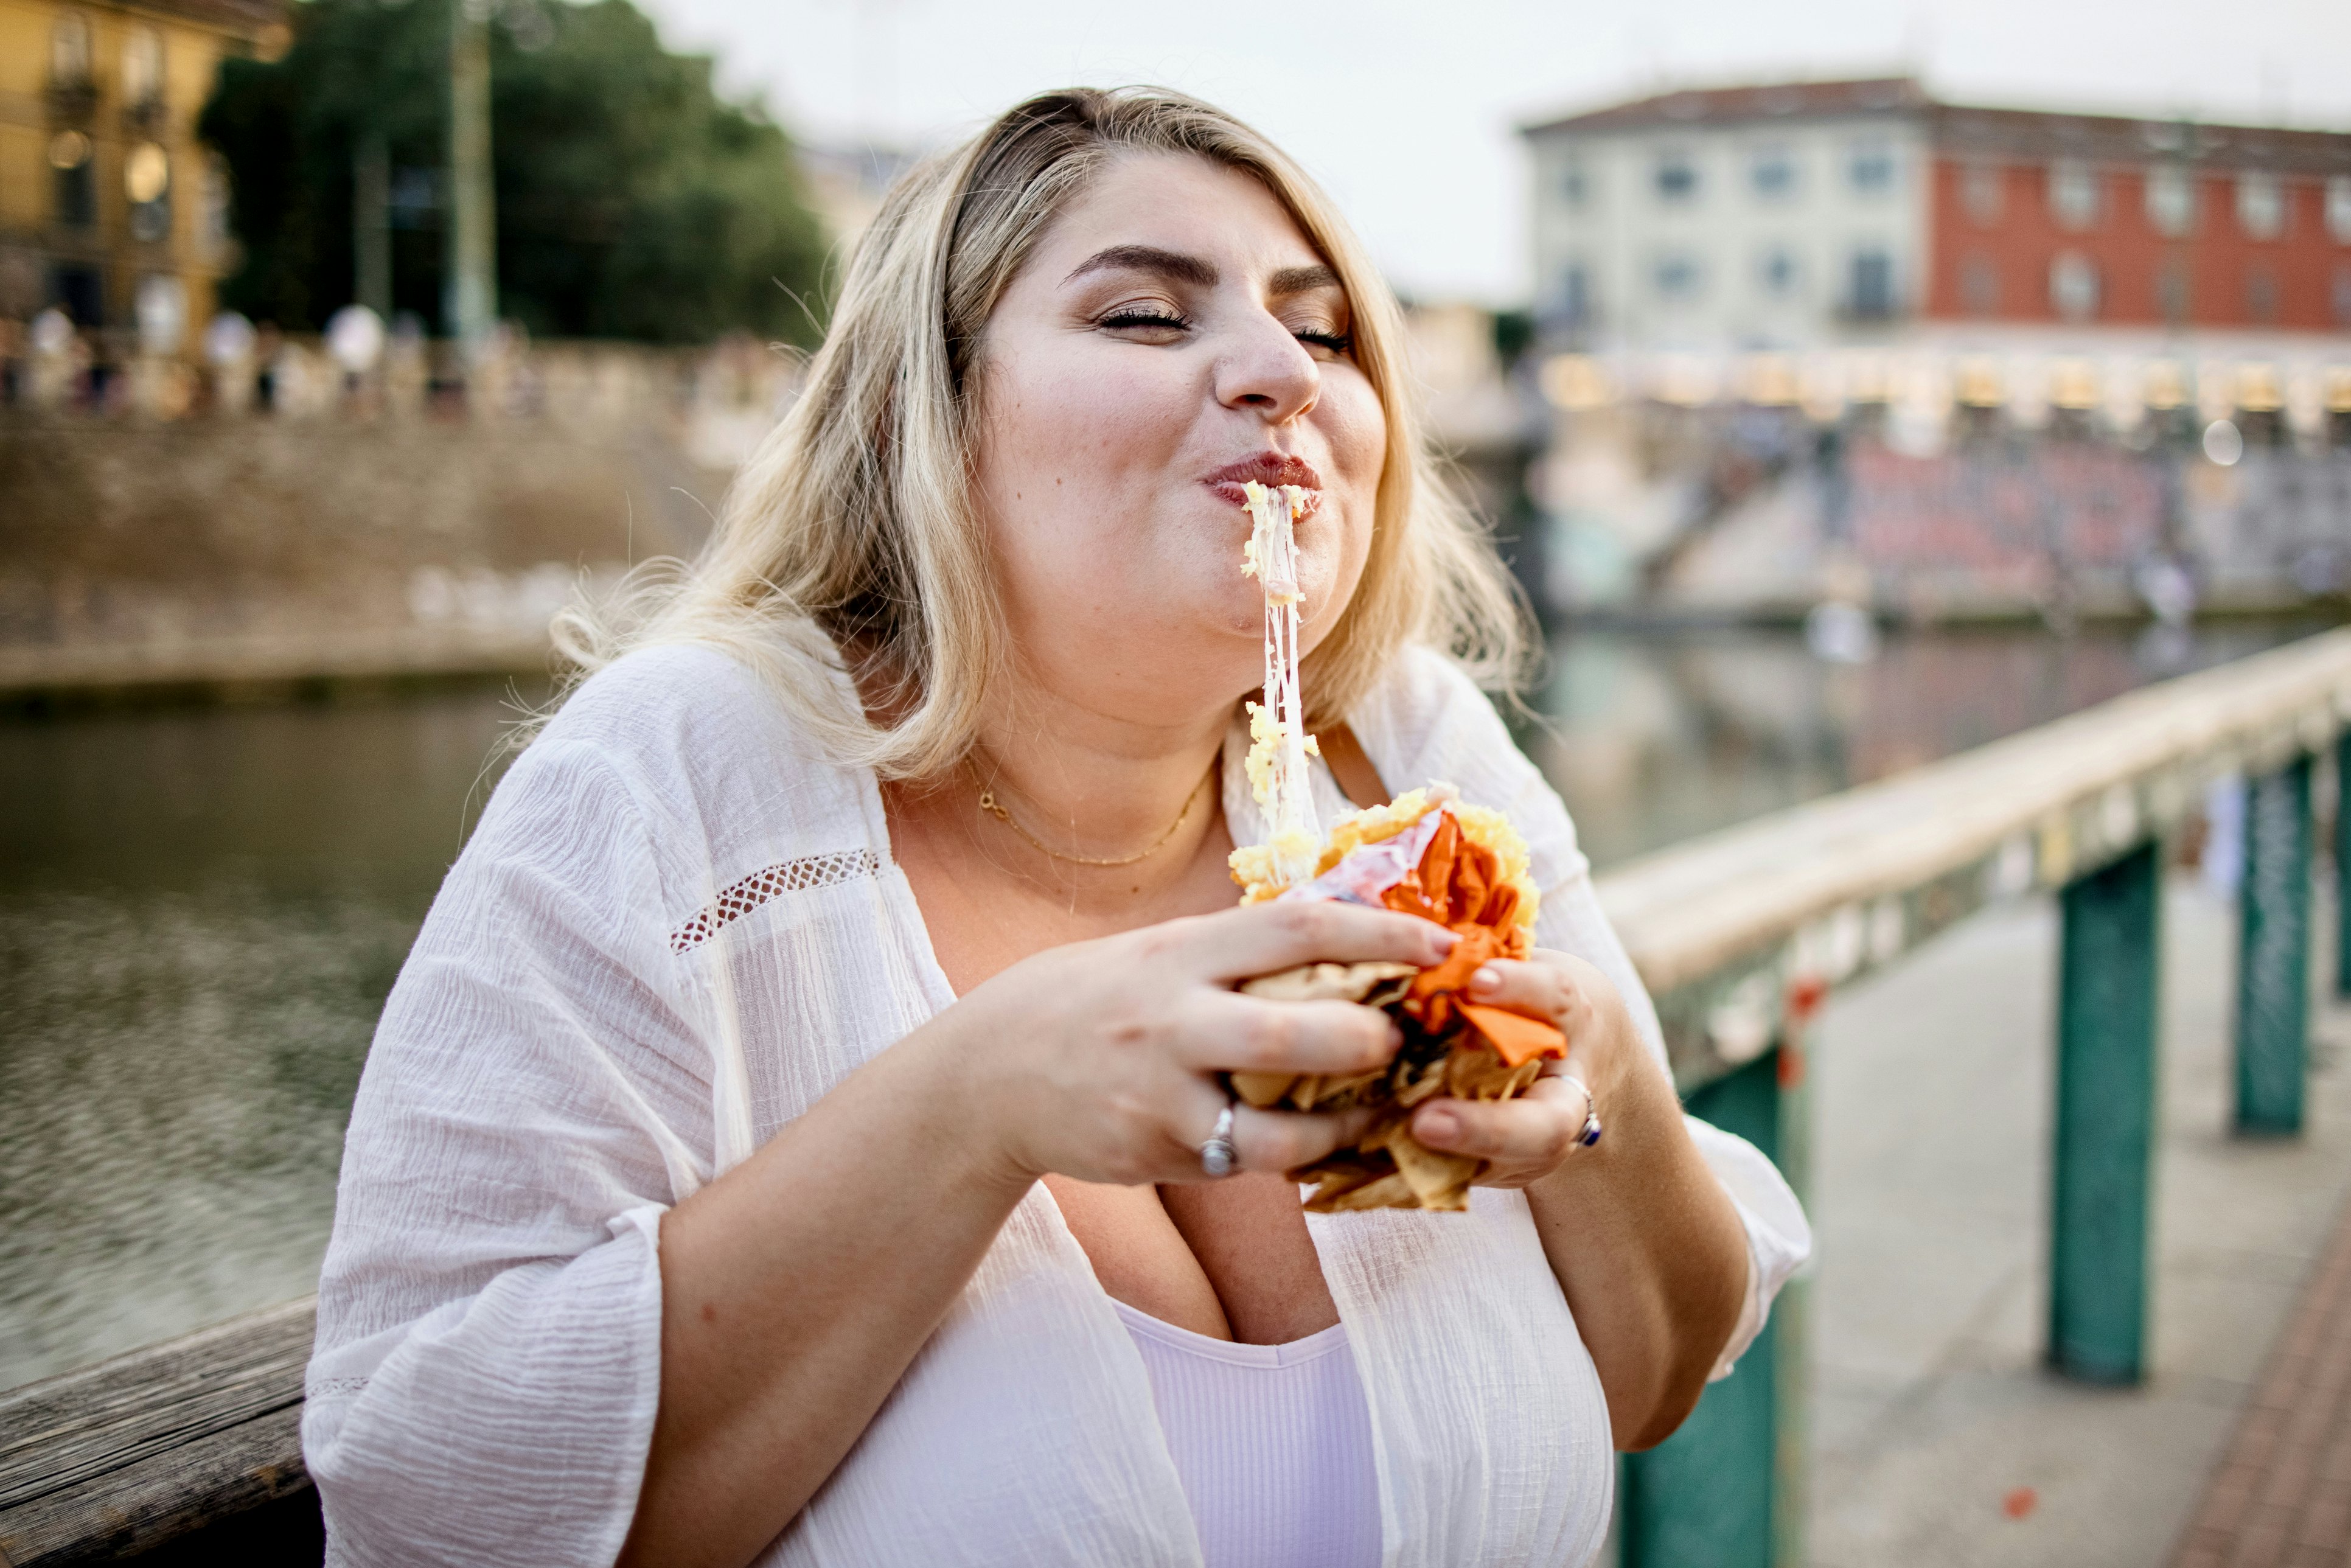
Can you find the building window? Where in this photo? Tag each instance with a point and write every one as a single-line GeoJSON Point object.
{"type": "Point", "coordinates": [2261, 294]}
{"type": "Point", "coordinates": [2074, 286]}
{"type": "Point", "coordinates": [1978, 286]}
{"type": "Point", "coordinates": [2174, 292]}
{"type": "Point", "coordinates": [1778, 273]}
{"type": "Point", "coordinates": [2261, 204]}
{"type": "Point", "coordinates": [142, 67]}
{"type": "Point", "coordinates": [1575, 185]}
{"type": "Point", "coordinates": [1870, 166]}
{"type": "Point", "coordinates": [70, 50]}
{"type": "Point", "coordinates": [2073, 194]}
{"type": "Point", "coordinates": [1575, 294]}
{"type": "Point", "coordinates": [1676, 276]}
{"type": "Point", "coordinates": [2338, 208]}
{"type": "Point", "coordinates": [212, 221]}
{"type": "Point", "coordinates": [147, 186]}
{"type": "Point", "coordinates": [2171, 200]}
{"type": "Point", "coordinates": [80, 292]}
{"type": "Point", "coordinates": [1676, 176]}
{"type": "Point", "coordinates": [1871, 296]}
{"type": "Point", "coordinates": [1981, 193]}
{"type": "Point", "coordinates": [1774, 173]}
{"type": "Point", "coordinates": [73, 170]}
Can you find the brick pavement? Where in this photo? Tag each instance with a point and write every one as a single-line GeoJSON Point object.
{"type": "Point", "coordinates": [2281, 1496]}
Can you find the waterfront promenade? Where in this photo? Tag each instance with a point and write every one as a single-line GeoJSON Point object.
{"type": "Point", "coordinates": [1937, 1439]}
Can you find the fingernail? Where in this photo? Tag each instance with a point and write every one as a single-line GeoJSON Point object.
{"type": "Point", "coordinates": [1438, 1126]}
{"type": "Point", "coordinates": [1444, 941]}
{"type": "Point", "coordinates": [1488, 978]}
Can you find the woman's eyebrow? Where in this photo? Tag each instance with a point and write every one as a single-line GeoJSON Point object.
{"type": "Point", "coordinates": [1169, 263]}
{"type": "Point", "coordinates": [1292, 280]}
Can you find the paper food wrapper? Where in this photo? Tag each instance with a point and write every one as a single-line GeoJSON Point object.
{"type": "Point", "coordinates": [1426, 855]}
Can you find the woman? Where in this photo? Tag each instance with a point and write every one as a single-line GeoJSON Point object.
{"type": "Point", "coordinates": [769, 1155]}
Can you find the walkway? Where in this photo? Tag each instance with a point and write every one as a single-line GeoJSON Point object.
{"type": "Point", "coordinates": [1937, 1441]}
{"type": "Point", "coordinates": [2282, 1498]}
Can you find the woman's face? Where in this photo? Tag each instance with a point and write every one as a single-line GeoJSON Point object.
{"type": "Point", "coordinates": [1171, 334]}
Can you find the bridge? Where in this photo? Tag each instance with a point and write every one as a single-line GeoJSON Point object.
{"type": "Point", "coordinates": [1742, 935]}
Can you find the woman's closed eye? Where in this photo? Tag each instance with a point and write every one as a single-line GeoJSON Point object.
{"type": "Point", "coordinates": [1162, 324]}
{"type": "Point", "coordinates": [1328, 339]}
{"type": "Point", "coordinates": [1146, 323]}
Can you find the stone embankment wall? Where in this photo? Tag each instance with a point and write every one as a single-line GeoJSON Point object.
{"type": "Point", "coordinates": [254, 549]}
{"type": "Point", "coordinates": [280, 519]}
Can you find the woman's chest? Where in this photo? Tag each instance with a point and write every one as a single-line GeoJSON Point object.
{"type": "Point", "coordinates": [1231, 1259]}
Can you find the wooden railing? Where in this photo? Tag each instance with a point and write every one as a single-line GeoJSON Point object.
{"type": "Point", "coordinates": [201, 1434]}
{"type": "Point", "coordinates": [1741, 936]}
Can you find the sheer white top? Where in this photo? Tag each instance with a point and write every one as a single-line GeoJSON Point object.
{"type": "Point", "coordinates": [675, 928]}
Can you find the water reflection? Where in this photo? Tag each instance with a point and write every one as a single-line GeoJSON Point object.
{"type": "Point", "coordinates": [201, 913]}
{"type": "Point", "coordinates": [1652, 738]}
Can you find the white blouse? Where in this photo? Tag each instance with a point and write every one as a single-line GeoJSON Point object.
{"type": "Point", "coordinates": [675, 928]}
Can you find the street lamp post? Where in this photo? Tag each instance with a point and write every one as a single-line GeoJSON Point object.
{"type": "Point", "coordinates": [469, 297]}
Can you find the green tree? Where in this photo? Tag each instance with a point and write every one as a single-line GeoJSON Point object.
{"type": "Point", "coordinates": [633, 201]}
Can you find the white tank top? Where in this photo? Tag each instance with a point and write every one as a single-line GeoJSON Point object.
{"type": "Point", "coordinates": [1273, 1444]}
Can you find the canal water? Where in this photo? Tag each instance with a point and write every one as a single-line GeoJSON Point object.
{"type": "Point", "coordinates": [201, 911]}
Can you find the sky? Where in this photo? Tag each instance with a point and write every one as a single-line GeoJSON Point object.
{"type": "Point", "coordinates": [1407, 111]}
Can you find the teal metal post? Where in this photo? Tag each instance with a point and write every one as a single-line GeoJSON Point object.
{"type": "Point", "coordinates": [2106, 1022]}
{"type": "Point", "coordinates": [2274, 954]}
{"type": "Point", "coordinates": [2343, 864]}
{"type": "Point", "coordinates": [1704, 1496]}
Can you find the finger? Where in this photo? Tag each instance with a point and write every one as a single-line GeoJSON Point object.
{"type": "Point", "coordinates": [1262, 1140]}
{"type": "Point", "coordinates": [1285, 933]}
{"type": "Point", "coordinates": [1282, 1139]}
{"type": "Point", "coordinates": [1537, 988]}
{"type": "Point", "coordinates": [1226, 1031]}
{"type": "Point", "coordinates": [1536, 1130]}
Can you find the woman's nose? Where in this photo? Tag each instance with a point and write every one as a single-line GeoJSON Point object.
{"type": "Point", "coordinates": [1268, 373]}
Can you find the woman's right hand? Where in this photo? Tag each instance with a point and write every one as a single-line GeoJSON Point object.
{"type": "Point", "coordinates": [1097, 1061]}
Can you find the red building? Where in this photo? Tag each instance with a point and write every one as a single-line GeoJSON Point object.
{"type": "Point", "coordinates": [1793, 214]}
{"type": "Point", "coordinates": [2068, 217]}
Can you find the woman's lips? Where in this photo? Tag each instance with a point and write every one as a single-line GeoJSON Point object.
{"type": "Point", "coordinates": [1270, 470]}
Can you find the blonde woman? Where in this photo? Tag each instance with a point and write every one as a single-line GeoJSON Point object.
{"type": "Point", "coordinates": [769, 1155]}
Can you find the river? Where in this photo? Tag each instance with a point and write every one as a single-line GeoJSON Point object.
{"type": "Point", "coordinates": [202, 909]}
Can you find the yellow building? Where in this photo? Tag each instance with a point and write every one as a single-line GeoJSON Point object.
{"type": "Point", "coordinates": [111, 209]}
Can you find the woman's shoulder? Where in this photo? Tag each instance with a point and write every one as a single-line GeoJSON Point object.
{"type": "Point", "coordinates": [702, 744]}
{"type": "Point", "coordinates": [674, 705]}
{"type": "Point", "coordinates": [1426, 721]}
{"type": "Point", "coordinates": [1427, 716]}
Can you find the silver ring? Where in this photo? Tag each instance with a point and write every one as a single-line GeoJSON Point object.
{"type": "Point", "coordinates": [1589, 1134]}
{"type": "Point", "coordinates": [1217, 1156]}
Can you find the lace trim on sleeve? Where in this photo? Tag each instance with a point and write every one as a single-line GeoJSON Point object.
{"type": "Point", "coordinates": [740, 898]}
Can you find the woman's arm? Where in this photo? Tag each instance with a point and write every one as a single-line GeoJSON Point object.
{"type": "Point", "coordinates": [797, 1288]}
{"type": "Point", "coordinates": [1646, 1243]}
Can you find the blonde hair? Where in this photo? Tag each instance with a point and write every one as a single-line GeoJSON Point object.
{"type": "Point", "coordinates": [849, 540]}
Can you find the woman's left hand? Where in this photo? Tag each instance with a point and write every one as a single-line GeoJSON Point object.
{"type": "Point", "coordinates": [1527, 1138]}
{"type": "Point", "coordinates": [1643, 1240]}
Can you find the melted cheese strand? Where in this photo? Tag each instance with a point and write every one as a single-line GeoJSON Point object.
{"type": "Point", "coordinates": [1278, 744]}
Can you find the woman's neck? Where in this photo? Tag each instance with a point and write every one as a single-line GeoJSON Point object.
{"type": "Point", "coordinates": [1101, 786]}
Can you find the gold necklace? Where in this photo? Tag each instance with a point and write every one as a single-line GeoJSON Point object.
{"type": "Point", "coordinates": [989, 804]}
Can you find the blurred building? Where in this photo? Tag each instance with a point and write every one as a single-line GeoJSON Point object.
{"type": "Point", "coordinates": [845, 182]}
{"type": "Point", "coordinates": [1800, 215]}
{"type": "Point", "coordinates": [111, 209]}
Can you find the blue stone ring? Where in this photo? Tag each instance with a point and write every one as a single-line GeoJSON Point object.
{"type": "Point", "coordinates": [1217, 1155]}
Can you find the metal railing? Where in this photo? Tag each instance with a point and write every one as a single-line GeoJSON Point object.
{"type": "Point", "coordinates": [1741, 936]}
